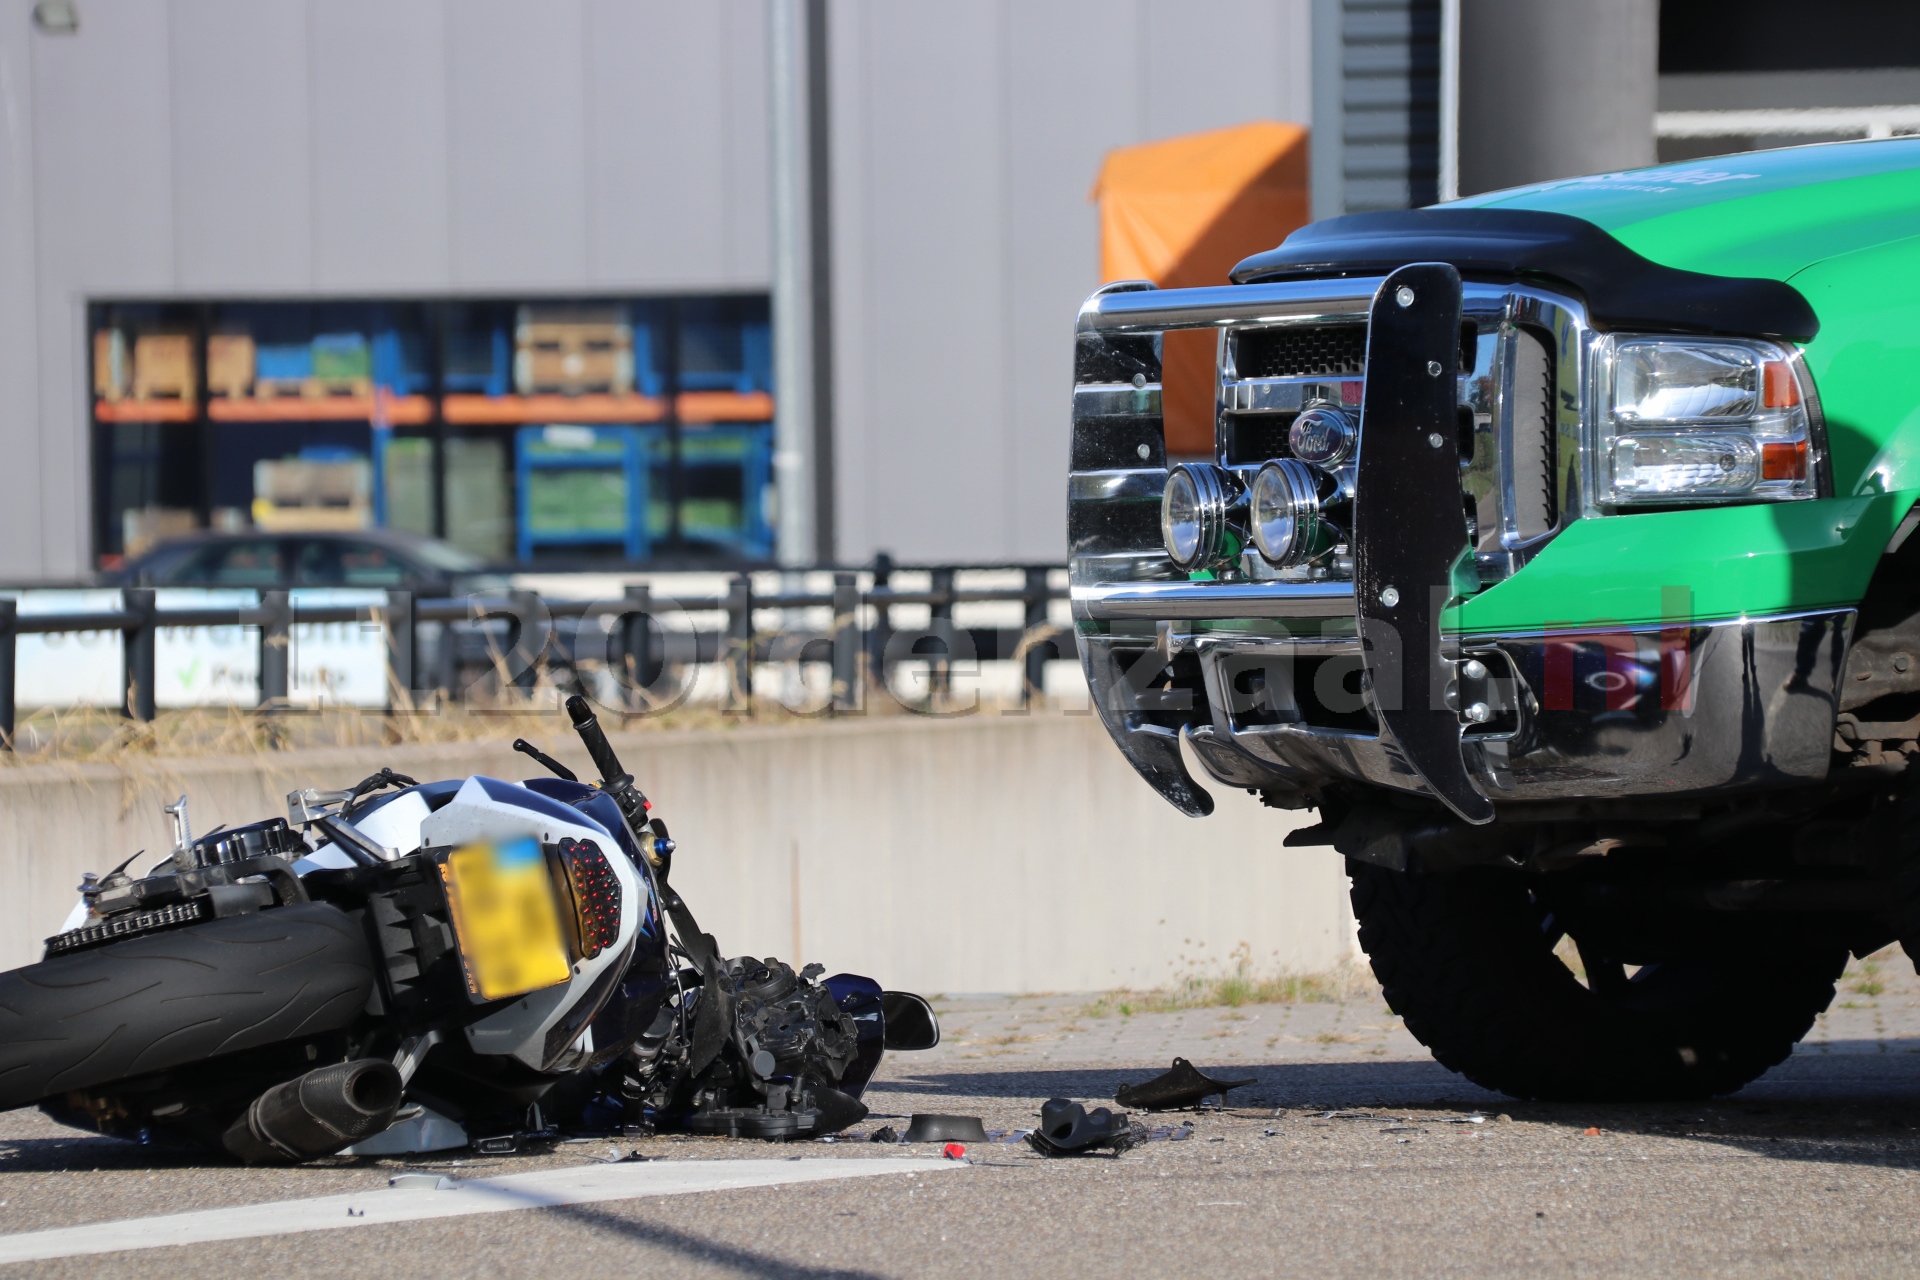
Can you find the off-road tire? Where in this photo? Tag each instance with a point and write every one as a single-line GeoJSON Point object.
{"type": "Point", "coordinates": [1464, 961]}
{"type": "Point", "coordinates": [168, 999]}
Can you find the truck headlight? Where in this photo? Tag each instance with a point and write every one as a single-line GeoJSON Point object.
{"type": "Point", "coordinates": [1694, 420]}
{"type": "Point", "coordinates": [1194, 514]}
{"type": "Point", "coordinates": [1284, 511]}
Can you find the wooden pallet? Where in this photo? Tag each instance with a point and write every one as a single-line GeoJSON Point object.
{"type": "Point", "coordinates": [310, 388]}
{"type": "Point", "coordinates": [573, 351]}
{"type": "Point", "coordinates": [163, 367]}
{"type": "Point", "coordinates": [229, 365]}
{"type": "Point", "coordinates": [112, 369]}
{"type": "Point", "coordinates": [298, 493]}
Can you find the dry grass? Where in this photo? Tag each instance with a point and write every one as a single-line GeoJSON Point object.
{"type": "Point", "coordinates": [1239, 984]}
{"type": "Point", "coordinates": [50, 735]}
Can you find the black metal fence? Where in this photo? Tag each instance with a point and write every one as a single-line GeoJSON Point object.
{"type": "Point", "coordinates": [525, 636]}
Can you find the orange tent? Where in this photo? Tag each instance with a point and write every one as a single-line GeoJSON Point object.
{"type": "Point", "coordinates": [1181, 213]}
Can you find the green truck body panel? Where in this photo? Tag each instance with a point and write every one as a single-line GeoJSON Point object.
{"type": "Point", "coordinates": [1767, 213]}
{"type": "Point", "coordinates": [1841, 223]}
{"type": "Point", "coordinates": [1725, 562]}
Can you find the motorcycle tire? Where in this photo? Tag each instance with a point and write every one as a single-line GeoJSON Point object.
{"type": "Point", "coordinates": [168, 999]}
{"type": "Point", "coordinates": [1466, 959]}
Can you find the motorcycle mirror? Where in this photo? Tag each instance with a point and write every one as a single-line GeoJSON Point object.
{"type": "Point", "coordinates": [910, 1021]}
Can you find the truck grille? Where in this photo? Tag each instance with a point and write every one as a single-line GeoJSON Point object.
{"type": "Point", "coordinates": [1292, 346]}
{"type": "Point", "coordinates": [1530, 426]}
{"type": "Point", "coordinates": [1296, 352]}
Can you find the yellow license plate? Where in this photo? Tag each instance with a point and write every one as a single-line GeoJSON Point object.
{"type": "Point", "coordinates": [506, 918]}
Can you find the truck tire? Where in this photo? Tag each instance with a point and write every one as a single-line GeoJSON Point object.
{"type": "Point", "coordinates": [1464, 959]}
{"type": "Point", "coordinates": [168, 999]}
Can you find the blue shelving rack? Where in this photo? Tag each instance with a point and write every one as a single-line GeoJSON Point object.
{"type": "Point", "coordinates": [742, 447]}
{"type": "Point", "coordinates": [540, 452]}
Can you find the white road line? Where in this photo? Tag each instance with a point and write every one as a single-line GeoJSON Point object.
{"type": "Point", "coordinates": [376, 1206]}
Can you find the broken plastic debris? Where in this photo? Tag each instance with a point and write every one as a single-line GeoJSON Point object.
{"type": "Point", "coordinates": [1069, 1129]}
{"type": "Point", "coordinates": [1182, 1085]}
{"type": "Point", "coordinates": [885, 1133]}
{"type": "Point", "coordinates": [423, 1182]}
{"type": "Point", "coordinates": [1592, 1132]}
{"type": "Point", "coordinates": [1462, 1120]}
{"type": "Point", "coordinates": [954, 1151]}
{"type": "Point", "coordinates": [616, 1156]}
{"type": "Point", "coordinates": [932, 1128]}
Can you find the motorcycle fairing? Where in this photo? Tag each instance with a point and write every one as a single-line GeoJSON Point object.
{"type": "Point", "coordinates": [395, 824]}
{"type": "Point", "coordinates": [860, 998]}
{"type": "Point", "coordinates": [490, 809]}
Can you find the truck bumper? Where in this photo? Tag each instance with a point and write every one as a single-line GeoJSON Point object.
{"type": "Point", "coordinates": [1679, 711]}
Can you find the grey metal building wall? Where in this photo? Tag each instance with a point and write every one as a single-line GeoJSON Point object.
{"type": "Point", "coordinates": [304, 148]}
{"type": "Point", "coordinates": [301, 148]}
{"type": "Point", "coordinates": [966, 139]}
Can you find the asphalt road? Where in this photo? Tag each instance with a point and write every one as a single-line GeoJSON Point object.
{"type": "Point", "coordinates": [1811, 1170]}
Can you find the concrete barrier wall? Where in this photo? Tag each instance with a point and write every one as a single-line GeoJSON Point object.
{"type": "Point", "coordinates": [985, 853]}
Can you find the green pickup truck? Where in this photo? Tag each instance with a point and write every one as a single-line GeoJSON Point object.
{"type": "Point", "coordinates": [1555, 549]}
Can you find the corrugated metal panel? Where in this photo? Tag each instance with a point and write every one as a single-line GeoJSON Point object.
{"type": "Point", "coordinates": [241, 146]}
{"type": "Point", "coordinates": [609, 145]}
{"type": "Point", "coordinates": [960, 181]}
{"type": "Point", "coordinates": [379, 85]}
{"type": "Point", "coordinates": [677, 136]}
{"type": "Point", "coordinates": [1390, 98]}
{"type": "Point", "coordinates": [517, 145]}
{"type": "Point", "coordinates": [1197, 76]}
{"type": "Point", "coordinates": [934, 134]}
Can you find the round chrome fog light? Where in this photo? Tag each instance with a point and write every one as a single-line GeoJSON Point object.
{"type": "Point", "coordinates": [1193, 513]}
{"type": "Point", "coordinates": [1285, 512]}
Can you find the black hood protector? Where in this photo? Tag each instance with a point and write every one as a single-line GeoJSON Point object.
{"type": "Point", "coordinates": [1622, 289]}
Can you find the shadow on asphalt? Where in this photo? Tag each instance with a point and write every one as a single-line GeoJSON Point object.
{"type": "Point", "coordinates": [91, 1151]}
{"type": "Point", "coordinates": [743, 1261]}
{"type": "Point", "coordinates": [1853, 1102]}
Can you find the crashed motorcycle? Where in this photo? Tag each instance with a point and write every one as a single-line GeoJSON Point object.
{"type": "Point", "coordinates": [408, 966]}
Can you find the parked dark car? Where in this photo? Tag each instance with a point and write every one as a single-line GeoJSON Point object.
{"type": "Point", "coordinates": [360, 558]}
{"type": "Point", "coordinates": [374, 559]}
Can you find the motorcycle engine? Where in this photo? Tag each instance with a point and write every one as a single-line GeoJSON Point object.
{"type": "Point", "coordinates": [787, 1045]}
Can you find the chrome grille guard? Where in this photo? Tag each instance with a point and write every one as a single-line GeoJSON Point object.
{"type": "Point", "coordinates": [1122, 577]}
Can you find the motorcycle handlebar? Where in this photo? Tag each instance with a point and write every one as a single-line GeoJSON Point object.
{"type": "Point", "coordinates": [614, 780]}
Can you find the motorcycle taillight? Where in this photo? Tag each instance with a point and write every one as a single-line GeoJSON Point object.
{"type": "Point", "coordinates": [596, 895]}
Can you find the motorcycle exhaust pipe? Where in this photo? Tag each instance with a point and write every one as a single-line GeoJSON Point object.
{"type": "Point", "coordinates": [322, 1112]}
